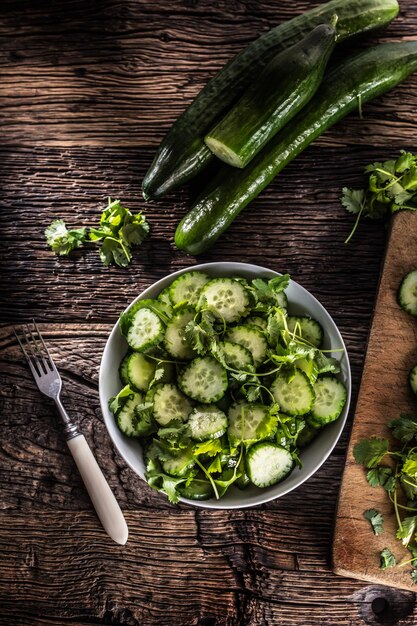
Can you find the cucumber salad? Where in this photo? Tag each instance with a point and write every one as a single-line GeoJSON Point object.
{"type": "Point", "coordinates": [222, 385]}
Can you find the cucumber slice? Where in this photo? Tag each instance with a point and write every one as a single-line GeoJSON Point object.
{"type": "Point", "coordinates": [407, 293]}
{"type": "Point", "coordinates": [309, 367]}
{"type": "Point", "coordinates": [179, 465]}
{"type": "Point", "coordinates": [257, 321]}
{"type": "Point", "coordinates": [126, 418]}
{"type": "Point", "coordinates": [140, 371]}
{"type": "Point", "coordinates": [306, 328]}
{"type": "Point", "coordinates": [175, 340]}
{"type": "Point", "coordinates": [252, 338]}
{"type": "Point", "coordinates": [306, 435]}
{"type": "Point", "coordinates": [295, 397]}
{"type": "Point", "coordinates": [330, 399]}
{"type": "Point", "coordinates": [249, 423]}
{"type": "Point", "coordinates": [170, 404]}
{"type": "Point", "coordinates": [207, 422]}
{"type": "Point", "coordinates": [123, 369]}
{"type": "Point", "coordinates": [227, 298]}
{"type": "Point", "coordinates": [160, 308]}
{"type": "Point", "coordinates": [204, 380]}
{"type": "Point", "coordinates": [198, 489]}
{"type": "Point", "coordinates": [236, 356]}
{"type": "Point", "coordinates": [268, 464]}
{"type": "Point", "coordinates": [187, 287]}
{"type": "Point", "coordinates": [146, 330]}
{"type": "Point", "coordinates": [412, 379]}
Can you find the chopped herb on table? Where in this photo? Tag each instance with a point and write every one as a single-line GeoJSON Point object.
{"type": "Point", "coordinates": [387, 559]}
{"type": "Point", "coordinates": [119, 230]}
{"type": "Point", "coordinates": [376, 520]}
{"type": "Point", "coordinates": [402, 480]}
{"type": "Point", "coordinates": [392, 187]}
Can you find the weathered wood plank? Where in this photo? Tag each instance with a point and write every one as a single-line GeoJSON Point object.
{"type": "Point", "coordinates": [384, 395]}
{"type": "Point", "coordinates": [192, 567]}
{"type": "Point", "coordinates": [296, 225]}
{"type": "Point", "coordinates": [118, 74]}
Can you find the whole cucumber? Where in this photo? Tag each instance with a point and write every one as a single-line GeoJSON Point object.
{"type": "Point", "coordinates": [354, 81]}
{"type": "Point", "coordinates": [182, 154]}
{"type": "Point", "coordinates": [284, 86]}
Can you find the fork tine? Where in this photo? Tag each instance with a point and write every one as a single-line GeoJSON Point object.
{"type": "Point", "coordinates": [36, 350]}
{"type": "Point", "coordinates": [21, 344]}
{"type": "Point", "coordinates": [34, 359]}
{"type": "Point", "coordinates": [30, 358]}
{"type": "Point", "coordinates": [51, 362]}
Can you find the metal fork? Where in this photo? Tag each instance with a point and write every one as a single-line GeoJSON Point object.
{"type": "Point", "coordinates": [49, 383]}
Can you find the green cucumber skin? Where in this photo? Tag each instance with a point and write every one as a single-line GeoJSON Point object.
{"type": "Point", "coordinates": [286, 84]}
{"type": "Point", "coordinates": [365, 76]}
{"type": "Point", "coordinates": [182, 154]}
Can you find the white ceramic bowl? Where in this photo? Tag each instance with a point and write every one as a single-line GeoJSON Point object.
{"type": "Point", "coordinates": [301, 302]}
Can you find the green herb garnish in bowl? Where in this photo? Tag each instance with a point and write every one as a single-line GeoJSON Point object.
{"type": "Point", "coordinates": [228, 384]}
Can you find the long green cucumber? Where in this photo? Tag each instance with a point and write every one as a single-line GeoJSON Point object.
{"type": "Point", "coordinates": [285, 85]}
{"type": "Point", "coordinates": [354, 81]}
{"type": "Point", "coordinates": [182, 153]}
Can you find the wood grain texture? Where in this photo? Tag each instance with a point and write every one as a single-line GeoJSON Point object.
{"type": "Point", "coordinates": [87, 91]}
{"type": "Point", "coordinates": [119, 73]}
{"type": "Point", "coordinates": [384, 394]}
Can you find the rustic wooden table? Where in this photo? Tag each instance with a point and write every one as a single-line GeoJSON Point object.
{"type": "Point", "coordinates": [89, 89]}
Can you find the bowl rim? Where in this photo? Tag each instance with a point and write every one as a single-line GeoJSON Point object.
{"type": "Point", "coordinates": [236, 267]}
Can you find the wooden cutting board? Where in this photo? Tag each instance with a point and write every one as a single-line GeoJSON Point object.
{"type": "Point", "coordinates": [383, 395]}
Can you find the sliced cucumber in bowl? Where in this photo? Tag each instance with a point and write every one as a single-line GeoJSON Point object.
{"type": "Point", "coordinates": [195, 382]}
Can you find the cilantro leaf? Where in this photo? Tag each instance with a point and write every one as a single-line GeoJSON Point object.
{"type": "Point", "coordinates": [201, 333]}
{"type": "Point", "coordinates": [279, 283]}
{"type": "Point", "coordinates": [216, 465]}
{"type": "Point", "coordinates": [370, 452]}
{"type": "Point", "coordinates": [268, 292]}
{"type": "Point", "coordinates": [381, 477]}
{"type": "Point", "coordinates": [118, 231]}
{"type": "Point", "coordinates": [353, 200]}
{"type": "Point", "coordinates": [252, 392]}
{"type": "Point", "coordinates": [414, 576]}
{"type": "Point", "coordinates": [113, 251]}
{"type": "Point", "coordinates": [387, 559]}
{"type": "Point", "coordinates": [160, 481]}
{"type": "Point", "coordinates": [326, 364]}
{"type": "Point", "coordinates": [392, 186]}
{"type": "Point", "coordinates": [410, 465]}
{"type": "Point", "coordinates": [158, 375]}
{"type": "Point", "coordinates": [61, 240]}
{"type": "Point", "coordinates": [211, 447]}
{"type": "Point", "coordinates": [405, 161]}
{"type": "Point", "coordinates": [407, 529]}
{"type": "Point", "coordinates": [273, 329]}
{"type": "Point", "coordinates": [404, 428]}
{"type": "Point", "coordinates": [376, 520]}
{"type": "Point", "coordinates": [116, 402]}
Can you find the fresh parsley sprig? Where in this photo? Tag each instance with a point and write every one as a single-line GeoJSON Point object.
{"type": "Point", "coordinates": [119, 230]}
{"type": "Point", "coordinates": [392, 186]}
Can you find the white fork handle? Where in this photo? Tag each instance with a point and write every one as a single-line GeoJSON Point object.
{"type": "Point", "coordinates": [99, 491]}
